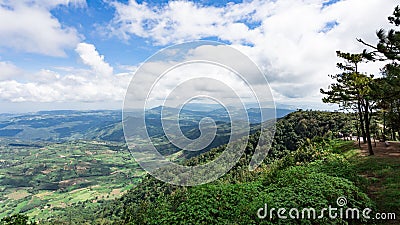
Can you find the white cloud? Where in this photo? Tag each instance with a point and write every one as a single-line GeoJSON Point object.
{"type": "Point", "coordinates": [66, 88]}
{"type": "Point", "coordinates": [92, 58]}
{"type": "Point", "coordinates": [97, 84]}
{"type": "Point", "coordinates": [54, 3]}
{"type": "Point", "coordinates": [294, 42]}
{"type": "Point", "coordinates": [185, 81]}
{"type": "Point", "coordinates": [180, 21]}
{"type": "Point", "coordinates": [177, 79]}
{"type": "Point", "coordinates": [29, 26]}
{"type": "Point", "coordinates": [8, 71]}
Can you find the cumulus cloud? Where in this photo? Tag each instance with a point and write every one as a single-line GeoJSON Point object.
{"type": "Point", "coordinates": [180, 21]}
{"type": "Point", "coordinates": [28, 26]}
{"type": "Point", "coordinates": [8, 71]}
{"type": "Point", "coordinates": [96, 84]}
{"type": "Point", "coordinates": [91, 57]}
{"type": "Point", "coordinates": [183, 82]}
{"type": "Point", "coordinates": [182, 72]}
{"type": "Point", "coordinates": [293, 42]}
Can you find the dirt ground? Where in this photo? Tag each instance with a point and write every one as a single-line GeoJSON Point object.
{"type": "Point", "coordinates": [381, 150]}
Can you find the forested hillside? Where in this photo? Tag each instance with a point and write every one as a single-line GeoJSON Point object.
{"type": "Point", "coordinates": [292, 145]}
{"type": "Point", "coordinates": [299, 172]}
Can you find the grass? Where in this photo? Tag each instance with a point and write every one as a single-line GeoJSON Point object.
{"type": "Point", "coordinates": [383, 178]}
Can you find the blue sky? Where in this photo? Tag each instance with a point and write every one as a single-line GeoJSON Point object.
{"type": "Point", "coordinates": [60, 54]}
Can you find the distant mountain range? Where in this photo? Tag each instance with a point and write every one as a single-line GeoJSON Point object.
{"type": "Point", "coordinates": [63, 125]}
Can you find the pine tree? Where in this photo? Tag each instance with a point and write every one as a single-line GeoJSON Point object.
{"type": "Point", "coordinates": [353, 91]}
{"type": "Point", "coordinates": [388, 91]}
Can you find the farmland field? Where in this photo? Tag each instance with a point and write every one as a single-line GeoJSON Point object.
{"type": "Point", "coordinates": [41, 179]}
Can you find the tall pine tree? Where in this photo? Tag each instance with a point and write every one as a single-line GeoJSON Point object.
{"type": "Point", "coordinates": [353, 90]}
{"type": "Point", "coordinates": [388, 91]}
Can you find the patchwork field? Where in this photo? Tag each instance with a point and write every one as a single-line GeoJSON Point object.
{"type": "Point", "coordinates": [42, 179]}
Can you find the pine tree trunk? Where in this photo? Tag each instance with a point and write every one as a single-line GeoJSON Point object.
{"type": "Point", "coordinates": [398, 122]}
{"type": "Point", "coordinates": [358, 136]}
{"type": "Point", "coordinates": [393, 133]}
{"type": "Point", "coordinates": [384, 126]}
{"type": "Point", "coordinates": [360, 114]}
{"type": "Point", "coordinates": [367, 126]}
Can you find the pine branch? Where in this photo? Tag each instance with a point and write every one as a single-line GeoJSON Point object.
{"type": "Point", "coordinates": [365, 43]}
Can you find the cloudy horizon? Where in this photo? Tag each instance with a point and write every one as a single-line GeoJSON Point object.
{"type": "Point", "coordinates": [82, 55]}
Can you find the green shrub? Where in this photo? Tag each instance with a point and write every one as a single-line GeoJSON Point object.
{"type": "Point", "coordinates": [297, 187]}
{"type": "Point", "coordinates": [206, 204]}
{"type": "Point", "coordinates": [17, 219]}
{"type": "Point", "coordinates": [303, 187]}
{"type": "Point", "coordinates": [337, 166]}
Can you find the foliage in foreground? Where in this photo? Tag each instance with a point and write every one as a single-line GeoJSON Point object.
{"type": "Point", "coordinates": [312, 176]}
{"type": "Point", "coordinates": [291, 132]}
{"type": "Point", "coordinates": [17, 219]}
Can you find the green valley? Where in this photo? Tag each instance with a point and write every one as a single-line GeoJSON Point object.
{"type": "Point", "coordinates": [42, 179]}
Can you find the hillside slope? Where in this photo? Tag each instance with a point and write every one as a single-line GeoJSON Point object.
{"type": "Point", "coordinates": [291, 132]}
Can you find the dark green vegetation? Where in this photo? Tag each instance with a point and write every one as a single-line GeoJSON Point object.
{"type": "Point", "coordinates": [305, 178]}
{"type": "Point", "coordinates": [17, 219]}
{"type": "Point", "coordinates": [312, 173]}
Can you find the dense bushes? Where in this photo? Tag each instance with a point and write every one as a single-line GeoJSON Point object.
{"type": "Point", "coordinates": [291, 147]}
{"type": "Point", "coordinates": [297, 187]}
{"type": "Point", "coordinates": [17, 219]}
{"type": "Point", "coordinates": [312, 176]}
{"type": "Point", "coordinates": [239, 203]}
